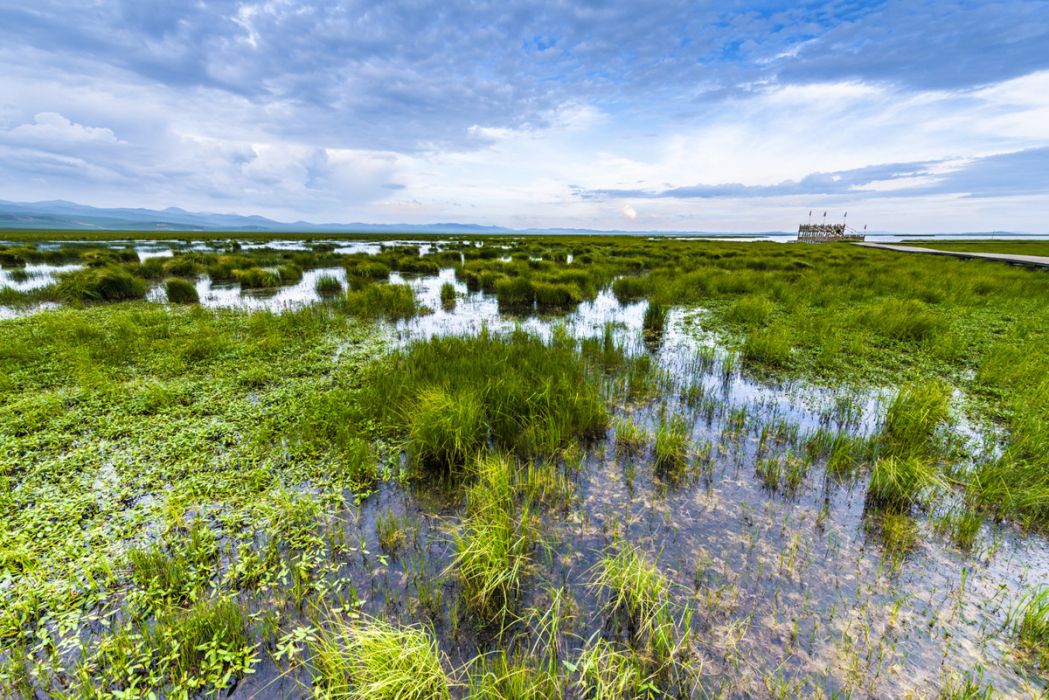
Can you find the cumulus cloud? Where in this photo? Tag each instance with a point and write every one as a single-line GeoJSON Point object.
{"type": "Point", "coordinates": [50, 127]}
{"type": "Point", "coordinates": [521, 113]}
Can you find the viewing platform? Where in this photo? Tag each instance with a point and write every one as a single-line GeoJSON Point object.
{"type": "Point", "coordinates": [827, 233]}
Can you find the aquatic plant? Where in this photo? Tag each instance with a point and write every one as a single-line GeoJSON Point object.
{"type": "Point", "coordinates": [445, 429]}
{"type": "Point", "coordinates": [629, 289]}
{"type": "Point", "coordinates": [1029, 619]}
{"type": "Point", "coordinates": [391, 301]}
{"type": "Point", "coordinates": [654, 320]}
{"type": "Point", "coordinates": [96, 284]}
{"type": "Point", "coordinates": [203, 647]}
{"type": "Point", "coordinates": [256, 278]}
{"type": "Point", "coordinates": [391, 532]}
{"type": "Point", "coordinates": [328, 286]}
{"type": "Point", "coordinates": [898, 484]}
{"type": "Point", "coordinates": [899, 533]}
{"type": "Point", "coordinates": [493, 548]}
{"type": "Point", "coordinates": [750, 310]}
{"type": "Point", "coordinates": [514, 293]}
{"type": "Point", "coordinates": [289, 273]}
{"type": "Point", "coordinates": [629, 436]}
{"type": "Point", "coordinates": [913, 417]}
{"type": "Point", "coordinates": [769, 347]}
{"type": "Point", "coordinates": [371, 659]}
{"type": "Point", "coordinates": [671, 447]}
{"type": "Point", "coordinates": [448, 295]}
{"type": "Point", "coordinates": [180, 291]}
{"type": "Point", "coordinates": [907, 320]}
{"type": "Point", "coordinates": [524, 394]}
{"type": "Point", "coordinates": [969, 685]}
{"type": "Point", "coordinates": [636, 588]}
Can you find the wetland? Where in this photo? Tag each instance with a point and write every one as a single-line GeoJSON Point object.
{"type": "Point", "coordinates": [519, 467]}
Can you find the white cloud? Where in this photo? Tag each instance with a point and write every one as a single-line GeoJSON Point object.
{"type": "Point", "coordinates": [51, 127]}
{"type": "Point", "coordinates": [629, 212]}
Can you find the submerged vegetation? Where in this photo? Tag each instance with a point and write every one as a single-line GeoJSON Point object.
{"type": "Point", "coordinates": [532, 467]}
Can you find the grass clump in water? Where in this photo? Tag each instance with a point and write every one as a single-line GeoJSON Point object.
{"type": "Point", "coordinates": [899, 533]}
{"type": "Point", "coordinates": [204, 647]}
{"type": "Point", "coordinates": [630, 437]}
{"type": "Point", "coordinates": [630, 289]}
{"type": "Point", "coordinates": [672, 444]}
{"type": "Point", "coordinates": [328, 286]}
{"type": "Point", "coordinates": [445, 429]}
{"type": "Point", "coordinates": [654, 321]}
{"type": "Point", "coordinates": [96, 284]}
{"type": "Point", "coordinates": [391, 301]}
{"type": "Point", "coordinates": [448, 296]}
{"type": "Point", "coordinates": [904, 320]}
{"type": "Point", "coordinates": [180, 291]}
{"type": "Point", "coordinates": [638, 592]}
{"type": "Point", "coordinates": [898, 484]}
{"type": "Point", "coordinates": [370, 659]}
{"type": "Point", "coordinates": [256, 278]}
{"type": "Point", "coordinates": [751, 310]}
{"type": "Point", "coordinates": [1030, 623]}
{"type": "Point", "coordinates": [913, 418]}
{"type": "Point", "coordinates": [494, 548]}
{"type": "Point", "coordinates": [453, 395]}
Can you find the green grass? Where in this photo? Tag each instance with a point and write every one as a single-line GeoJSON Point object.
{"type": "Point", "coordinates": [629, 436]}
{"type": "Point", "coordinates": [1030, 625]}
{"type": "Point", "coordinates": [767, 347]}
{"type": "Point", "coordinates": [966, 686]}
{"type": "Point", "coordinates": [630, 289]}
{"type": "Point", "coordinates": [370, 659]}
{"type": "Point", "coordinates": [901, 483]}
{"type": "Point", "coordinates": [448, 295]}
{"type": "Point", "coordinates": [204, 646]}
{"type": "Point", "coordinates": [913, 417]}
{"type": "Point", "coordinates": [493, 549]}
{"type": "Point", "coordinates": [100, 284]}
{"type": "Point", "coordinates": [899, 533]}
{"type": "Point", "coordinates": [1019, 247]}
{"type": "Point", "coordinates": [256, 278]}
{"type": "Point", "coordinates": [180, 291]}
{"type": "Point", "coordinates": [671, 448]}
{"type": "Point", "coordinates": [751, 310]}
{"type": "Point", "coordinates": [390, 301]}
{"type": "Point", "coordinates": [654, 320]}
{"type": "Point", "coordinates": [451, 396]}
{"type": "Point", "coordinates": [328, 286]}
{"type": "Point", "coordinates": [636, 589]}
{"type": "Point", "coordinates": [446, 429]}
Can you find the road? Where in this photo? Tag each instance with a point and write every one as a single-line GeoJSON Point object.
{"type": "Point", "coordinates": [1031, 260]}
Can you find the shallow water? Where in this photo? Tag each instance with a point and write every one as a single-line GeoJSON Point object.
{"type": "Point", "coordinates": [789, 586]}
{"type": "Point", "coordinates": [792, 588]}
{"type": "Point", "coordinates": [33, 276]}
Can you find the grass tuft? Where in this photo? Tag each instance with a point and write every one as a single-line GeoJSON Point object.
{"type": "Point", "coordinates": [370, 659]}
{"type": "Point", "coordinates": [180, 291]}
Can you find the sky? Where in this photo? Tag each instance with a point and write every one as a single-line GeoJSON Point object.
{"type": "Point", "coordinates": [911, 116]}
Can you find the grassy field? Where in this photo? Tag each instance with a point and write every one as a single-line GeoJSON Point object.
{"type": "Point", "coordinates": [987, 246]}
{"type": "Point", "coordinates": [323, 500]}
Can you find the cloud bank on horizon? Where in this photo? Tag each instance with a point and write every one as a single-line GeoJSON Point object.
{"type": "Point", "coordinates": [738, 116]}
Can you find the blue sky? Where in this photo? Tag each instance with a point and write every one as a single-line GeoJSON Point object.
{"type": "Point", "coordinates": [729, 116]}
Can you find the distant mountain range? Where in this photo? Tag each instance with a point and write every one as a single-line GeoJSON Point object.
{"type": "Point", "coordinates": [62, 215]}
